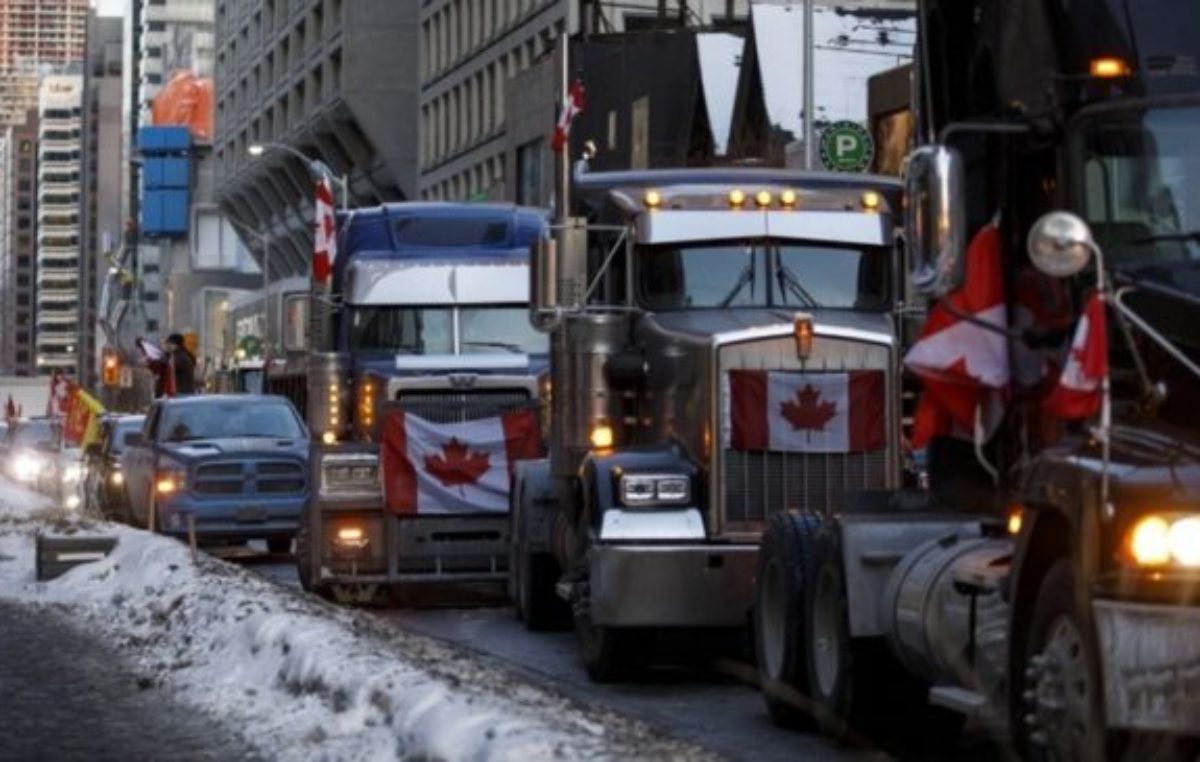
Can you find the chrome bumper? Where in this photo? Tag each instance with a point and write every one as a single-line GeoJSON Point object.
{"type": "Point", "coordinates": [672, 585]}
{"type": "Point", "coordinates": [1150, 662]}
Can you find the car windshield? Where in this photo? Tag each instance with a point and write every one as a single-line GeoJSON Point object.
{"type": "Point", "coordinates": [763, 274]}
{"type": "Point", "coordinates": [475, 329]}
{"type": "Point", "coordinates": [1141, 192]}
{"type": "Point", "coordinates": [34, 433]}
{"type": "Point", "coordinates": [120, 431]}
{"type": "Point", "coordinates": [229, 419]}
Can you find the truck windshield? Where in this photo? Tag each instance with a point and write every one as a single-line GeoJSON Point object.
{"type": "Point", "coordinates": [479, 329]}
{"type": "Point", "coordinates": [230, 420]}
{"type": "Point", "coordinates": [1141, 192]}
{"type": "Point", "coordinates": [762, 274]}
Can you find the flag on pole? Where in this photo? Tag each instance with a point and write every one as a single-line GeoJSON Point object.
{"type": "Point", "coordinates": [83, 422]}
{"type": "Point", "coordinates": [58, 404]}
{"type": "Point", "coordinates": [1078, 393]}
{"type": "Point", "coordinates": [325, 232]}
{"type": "Point", "coordinates": [571, 109]}
{"type": "Point", "coordinates": [160, 362]}
{"type": "Point", "coordinates": [962, 353]}
{"type": "Point", "coordinates": [805, 412]}
{"type": "Point", "coordinates": [448, 468]}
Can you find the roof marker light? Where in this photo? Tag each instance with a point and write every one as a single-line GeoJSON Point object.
{"type": "Point", "coordinates": [763, 198]}
{"type": "Point", "coordinates": [737, 198]}
{"type": "Point", "coordinates": [788, 198]}
{"type": "Point", "coordinates": [652, 199]}
{"type": "Point", "coordinates": [870, 201]}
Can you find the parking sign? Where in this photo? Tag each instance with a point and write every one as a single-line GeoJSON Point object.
{"type": "Point", "coordinates": [846, 147]}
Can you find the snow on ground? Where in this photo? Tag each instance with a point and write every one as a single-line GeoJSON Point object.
{"type": "Point", "coordinates": [297, 677]}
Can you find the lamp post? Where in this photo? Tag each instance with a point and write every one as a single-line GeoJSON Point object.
{"type": "Point", "coordinates": [315, 166]}
{"type": "Point", "coordinates": [264, 240]}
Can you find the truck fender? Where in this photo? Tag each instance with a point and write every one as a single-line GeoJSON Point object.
{"type": "Point", "coordinates": [598, 475]}
{"type": "Point", "coordinates": [532, 506]}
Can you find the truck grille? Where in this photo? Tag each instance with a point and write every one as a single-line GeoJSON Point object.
{"type": "Point", "coordinates": [249, 477]}
{"type": "Point", "coordinates": [459, 407]}
{"type": "Point", "coordinates": [758, 483]}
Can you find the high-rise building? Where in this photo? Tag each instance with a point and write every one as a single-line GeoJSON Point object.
{"type": "Point", "coordinates": [334, 80]}
{"type": "Point", "coordinates": [36, 36]}
{"type": "Point", "coordinates": [102, 222]}
{"type": "Point", "coordinates": [176, 35]}
{"type": "Point", "coordinates": [18, 245]}
{"type": "Point", "coordinates": [57, 313]}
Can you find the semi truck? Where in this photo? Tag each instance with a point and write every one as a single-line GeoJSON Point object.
{"type": "Point", "coordinates": [421, 332]}
{"type": "Point", "coordinates": [680, 304]}
{"type": "Point", "coordinates": [1048, 580]}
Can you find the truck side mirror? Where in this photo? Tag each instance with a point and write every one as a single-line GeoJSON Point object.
{"type": "Point", "coordinates": [934, 219]}
{"type": "Point", "coordinates": [558, 273]}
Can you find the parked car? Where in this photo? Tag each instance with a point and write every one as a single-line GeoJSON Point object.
{"type": "Point", "coordinates": [29, 451]}
{"type": "Point", "coordinates": [235, 465]}
{"type": "Point", "coordinates": [104, 480]}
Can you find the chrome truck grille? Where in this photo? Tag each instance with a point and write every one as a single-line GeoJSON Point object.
{"type": "Point", "coordinates": [755, 484]}
{"type": "Point", "coordinates": [459, 407]}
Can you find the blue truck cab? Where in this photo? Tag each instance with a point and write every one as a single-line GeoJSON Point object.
{"type": "Point", "coordinates": [428, 316]}
{"type": "Point", "coordinates": [231, 467]}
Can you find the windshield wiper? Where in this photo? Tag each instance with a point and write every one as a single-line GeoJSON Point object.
{"type": "Point", "coordinates": [1181, 235]}
{"type": "Point", "coordinates": [515, 348]}
{"type": "Point", "coordinates": [789, 282]}
{"type": "Point", "coordinates": [746, 276]}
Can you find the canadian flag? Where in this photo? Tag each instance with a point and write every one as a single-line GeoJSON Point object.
{"type": "Point", "coordinates": [962, 353]}
{"type": "Point", "coordinates": [325, 232]}
{"type": "Point", "coordinates": [1078, 393]}
{"type": "Point", "coordinates": [804, 412]}
{"type": "Point", "coordinates": [447, 468]}
{"type": "Point", "coordinates": [571, 109]}
{"type": "Point", "coordinates": [59, 402]}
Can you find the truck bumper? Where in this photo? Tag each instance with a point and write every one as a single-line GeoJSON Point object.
{"type": "Point", "coordinates": [231, 519]}
{"type": "Point", "coordinates": [677, 585]}
{"type": "Point", "coordinates": [1150, 662]}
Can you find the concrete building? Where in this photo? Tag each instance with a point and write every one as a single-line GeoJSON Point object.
{"type": "Point", "coordinates": [35, 37]}
{"type": "Point", "coordinates": [101, 218]}
{"type": "Point", "coordinates": [175, 35]}
{"type": "Point", "coordinates": [18, 245]}
{"type": "Point", "coordinates": [471, 50]}
{"type": "Point", "coordinates": [334, 80]}
{"type": "Point", "coordinates": [57, 313]}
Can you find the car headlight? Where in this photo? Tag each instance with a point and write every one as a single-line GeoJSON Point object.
{"type": "Point", "coordinates": [28, 467]}
{"type": "Point", "coordinates": [638, 490]}
{"type": "Point", "coordinates": [1161, 540]}
{"type": "Point", "coordinates": [72, 474]}
{"type": "Point", "coordinates": [169, 481]}
{"type": "Point", "coordinates": [116, 478]}
{"type": "Point", "coordinates": [350, 474]}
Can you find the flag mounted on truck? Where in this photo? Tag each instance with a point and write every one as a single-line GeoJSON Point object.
{"type": "Point", "coordinates": [454, 468]}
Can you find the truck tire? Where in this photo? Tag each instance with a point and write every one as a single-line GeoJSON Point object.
{"type": "Point", "coordinates": [1064, 718]}
{"type": "Point", "coordinates": [610, 654]}
{"type": "Point", "coordinates": [537, 603]}
{"type": "Point", "coordinates": [783, 564]}
{"type": "Point", "coordinates": [304, 570]}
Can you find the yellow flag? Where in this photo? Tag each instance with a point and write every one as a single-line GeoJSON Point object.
{"type": "Point", "coordinates": [94, 411]}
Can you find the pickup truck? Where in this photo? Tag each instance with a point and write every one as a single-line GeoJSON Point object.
{"type": "Point", "coordinates": [235, 465]}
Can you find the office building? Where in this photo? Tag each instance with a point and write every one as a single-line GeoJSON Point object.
{"type": "Point", "coordinates": [18, 245]}
{"type": "Point", "coordinates": [36, 36]}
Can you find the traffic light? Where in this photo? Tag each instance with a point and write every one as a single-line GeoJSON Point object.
{"type": "Point", "coordinates": [110, 367]}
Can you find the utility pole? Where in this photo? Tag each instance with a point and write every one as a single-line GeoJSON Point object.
{"type": "Point", "coordinates": [809, 107]}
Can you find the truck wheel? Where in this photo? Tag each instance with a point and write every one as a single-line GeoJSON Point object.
{"type": "Point", "coordinates": [537, 603]}
{"type": "Point", "coordinates": [304, 568]}
{"type": "Point", "coordinates": [610, 653]}
{"type": "Point", "coordinates": [1064, 720]}
{"type": "Point", "coordinates": [783, 563]}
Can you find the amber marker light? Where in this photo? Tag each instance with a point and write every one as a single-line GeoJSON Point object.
{"type": "Point", "coordinates": [870, 201]}
{"type": "Point", "coordinates": [601, 436]}
{"type": "Point", "coordinates": [329, 437]}
{"type": "Point", "coordinates": [1148, 541]}
{"type": "Point", "coordinates": [763, 198]}
{"type": "Point", "coordinates": [788, 198]}
{"type": "Point", "coordinates": [737, 198]}
{"type": "Point", "coordinates": [803, 331]}
{"type": "Point", "coordinates": [1108, 67]}
{"type": "Point", "coordinates": [1015, 517]}
{"type": "Point", "coordinates": [652, 199]}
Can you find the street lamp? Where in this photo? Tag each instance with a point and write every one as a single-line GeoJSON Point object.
{"type": "Point", "coordinates": [317, 167]}
{"type": "Point", "coordinates": [264, 240]}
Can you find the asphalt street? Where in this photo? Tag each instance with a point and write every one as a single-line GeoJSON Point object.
{"type": "Point", "coordinates": [66, 696]}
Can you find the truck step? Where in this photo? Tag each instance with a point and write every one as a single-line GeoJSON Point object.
{"type": "Point", "coordinates": [958, 699]}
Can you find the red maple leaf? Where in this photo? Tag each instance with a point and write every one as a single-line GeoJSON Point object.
{"type": "Point", "coordinates": [458, 466]}
{"type": "Point", "coordinates": [808, 412]}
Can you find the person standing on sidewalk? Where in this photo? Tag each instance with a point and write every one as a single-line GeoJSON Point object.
{"type": "Point", "coordinates": [183, 364]}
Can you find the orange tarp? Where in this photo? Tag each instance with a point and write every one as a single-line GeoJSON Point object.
{"type": "Point", "coordinates": [186, 100]}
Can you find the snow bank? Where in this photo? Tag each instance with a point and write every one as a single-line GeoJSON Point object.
{"type": "Point", "coordinates": [297, 677]}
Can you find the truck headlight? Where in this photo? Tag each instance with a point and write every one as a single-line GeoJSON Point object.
{"type": "Point", "coordinates": [350, 475]}
{"type": "Point", "coordinates": [170, 481]}
{"type": "Point", "coordinates": [639, 490]}
{"type": "Point", "coordinates": [1156, 541]}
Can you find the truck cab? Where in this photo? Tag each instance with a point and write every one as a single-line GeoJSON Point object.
{"type": "Point", "coordinates": [430, 330]}
{"type": "Point", "coordinates": [696, 318]}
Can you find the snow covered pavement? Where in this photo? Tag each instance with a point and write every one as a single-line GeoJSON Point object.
{"type": "Point", "coordinates": [299, 678]}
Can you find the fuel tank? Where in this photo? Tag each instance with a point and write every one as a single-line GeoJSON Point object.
{"type": "Point", "coordinates": [945, 613]}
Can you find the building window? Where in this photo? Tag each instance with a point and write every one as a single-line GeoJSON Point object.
{"type": "Point", "coordinates": [529, 172]}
